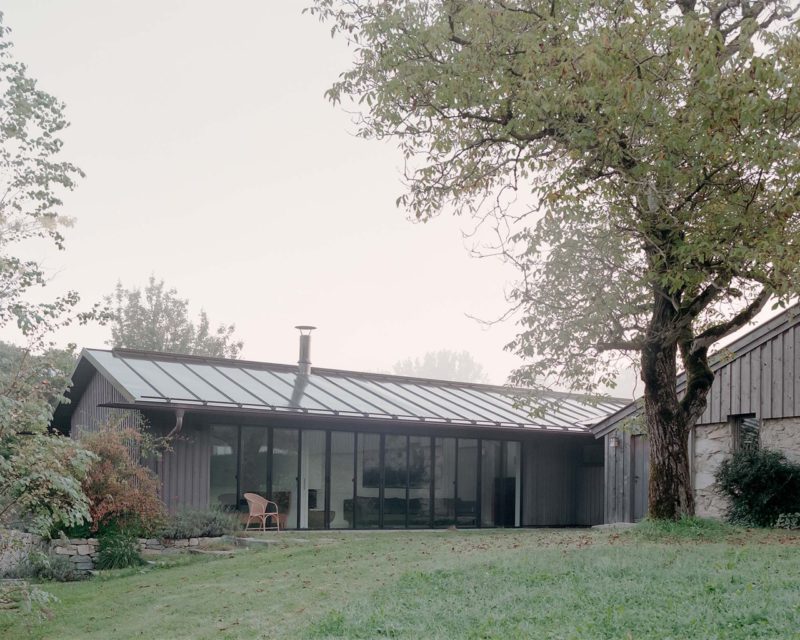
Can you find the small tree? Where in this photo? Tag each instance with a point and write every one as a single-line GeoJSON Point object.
{"type": "Point", "coordinates": [39, 472]}
{"type": "Point", "coordinates": [443, 365]}
{"type": "Point", "coordinates": [156, 319]}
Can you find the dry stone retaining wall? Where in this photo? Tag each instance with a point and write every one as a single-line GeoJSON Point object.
{"type": "Point", "coordinates": [15, 547]}
{"type": "Point", "coordinates": [83, 552]}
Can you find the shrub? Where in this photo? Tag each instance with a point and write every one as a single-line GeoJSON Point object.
{"type": "Point", "coordinates": [117, 551]}
{"type": "Point", "coordinates": [43, 566]}
{"type": "Point", "coordinates": [788, 521]}
{"type": "Point", "coordinates": [193, 523]}
{"type": "Point", "coordinates": [760, 486]}
{"type": "Point", "coordinates": [122, 493]}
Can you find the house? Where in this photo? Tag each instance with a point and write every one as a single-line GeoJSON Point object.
{"type": "Point", "coordinates": [754, 401]}
{"type": "Point", "coordinates": [343, 449]}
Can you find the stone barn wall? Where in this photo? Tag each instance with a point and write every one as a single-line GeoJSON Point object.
{"type": "Point", "coordinates": [782, 434]}
{"type": "Point", "coordinates": [713, 443]}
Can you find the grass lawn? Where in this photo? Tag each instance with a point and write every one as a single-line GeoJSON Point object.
{"type": "Point", "coordinates": [646, 583]}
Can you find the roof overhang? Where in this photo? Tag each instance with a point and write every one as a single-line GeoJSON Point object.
{"type": "Point", "coordinates": [351, 419]}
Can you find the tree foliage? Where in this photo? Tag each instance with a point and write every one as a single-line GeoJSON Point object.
{"type": "Point", "coordinates": [443, 365]}
{"type": "Point", "coordinates": [156, 319]}
{"type": "Point", "coordinates": [39, 472]}
{"type": "Point", "coordinates": [643, 156]}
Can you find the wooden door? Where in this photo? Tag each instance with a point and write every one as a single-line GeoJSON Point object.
{"type": "Point", "coordinates": [640, 465]}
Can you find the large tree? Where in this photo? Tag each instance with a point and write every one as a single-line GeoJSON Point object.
{"type": "Point", "coordinates": [40, 472]}
{"type": "Point", "coordinates": [157, 319]}
{"type": "Point", "coordinates": [443, 365]}
{"type": "Point", "coordinates": [643, 153]}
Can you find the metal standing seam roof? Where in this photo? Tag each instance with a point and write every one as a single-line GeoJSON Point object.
{"type": "Point", "coordinates": [161, 379]}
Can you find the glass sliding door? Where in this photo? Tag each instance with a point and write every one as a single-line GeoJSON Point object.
{"type": "Point", "coordinates": [368, 481]}
{"type": "Point", "coordinates": [491, 473]}
{"type": "Point", "coordinates": [444, 482]}
{"type": "Point", "coordinates": [284, 490]}
{"type": "Point", "coordinates": [312, 480]}
{"type": "Point", "coordinates": [395, 481]}
{"type": "Point", "coordinates": [419, 481]}
{"type": "Point", "coordinates": [513, 483]}
{"type": "Point", "coordinates": [342, 479]}
{"type": "Point", "coordinates": [224, 466]}
{"type": "Point", "coordinates": [467, 498]}
{"type": "Point", "coordinates": [253, 463]}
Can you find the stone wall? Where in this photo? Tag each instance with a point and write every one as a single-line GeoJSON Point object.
{"type": "Point", "coordinates": [15, 546]}
{"type": "Point", "coordinates": [83, 552]}
{"type": "Point", "coordinates": [713, 443]}
{"type": "Point", "coordinates": [782, 434]}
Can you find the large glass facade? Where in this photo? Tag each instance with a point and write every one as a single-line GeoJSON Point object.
{"type": "Point", "coordinates": [368, 481]}
{"type": "Point", "coordinates": [285, 450]}
{"type": "Point", "coordinates": [513, 482]}
{"type": "Point", "coordinates": [224, 453]}
{"type": "Point", "coordinates": [395, 481]}
{"type": "Point", "coordinates": [342, 479]}
{"type": "Point", "coordinates": [491, 471]}
{"type": "Point", "coordinates": [444, 482]}
{"type": "Point", "coordinates": [500, 484]}
{"type": "Point", "coordinates": [337, 479]}
{"type": "Point", "coordinates": [419, 481]}
{"type": "Point", "coordinates": [312, 480]}
{"type": "Point", "coordinates": [467, 485]}
{"type": "Point", "coordinates": [253, 465]}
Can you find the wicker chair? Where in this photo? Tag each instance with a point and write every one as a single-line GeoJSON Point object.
{"type": "Point", "coordinates": [258, 511]}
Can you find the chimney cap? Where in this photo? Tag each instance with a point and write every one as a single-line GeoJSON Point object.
{"type": "Point", "coordinates": [305, 327]}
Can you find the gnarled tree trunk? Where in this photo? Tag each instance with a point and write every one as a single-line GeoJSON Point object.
{"type": "Point", "coordinates": [669, 490]}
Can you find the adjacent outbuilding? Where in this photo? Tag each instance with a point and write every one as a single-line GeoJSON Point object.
{"type": "Point", "coordinates": [754, 401]}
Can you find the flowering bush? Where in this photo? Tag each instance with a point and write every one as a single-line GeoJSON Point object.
{"type": "Point", "coordinates": [122, 493]}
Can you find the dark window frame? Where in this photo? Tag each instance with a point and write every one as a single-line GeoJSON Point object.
{"type": "Point", "coordinates": [745, 432]}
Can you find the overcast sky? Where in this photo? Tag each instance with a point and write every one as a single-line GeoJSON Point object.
{"type": "Point", "coordinates": [214, 161]}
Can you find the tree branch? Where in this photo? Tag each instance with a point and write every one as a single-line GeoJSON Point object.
{"type": "Point", "coordinates": [719, 331]}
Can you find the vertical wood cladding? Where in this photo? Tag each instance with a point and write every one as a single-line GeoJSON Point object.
{"type": "Point", "coordinates": [764, 381]}
{"type": "Point", "coordinates": [559, 488]}
{"type": "Point", "coordinates": [88, 417]}
{"type": "Point", "coordinates": [185, 470]}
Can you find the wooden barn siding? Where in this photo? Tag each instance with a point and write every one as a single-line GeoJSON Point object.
{"type": "Point", "coordinates": [619, 482]}
{"type": "Point", "coordinates": [185, 470]}
{"type": "Point", "coordinates": [764, 382]}
{"type": "Point", "coordinates": [88, 417]}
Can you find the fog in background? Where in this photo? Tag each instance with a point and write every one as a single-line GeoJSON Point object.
{"type": "Point", "coordinates": [214, 161]}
